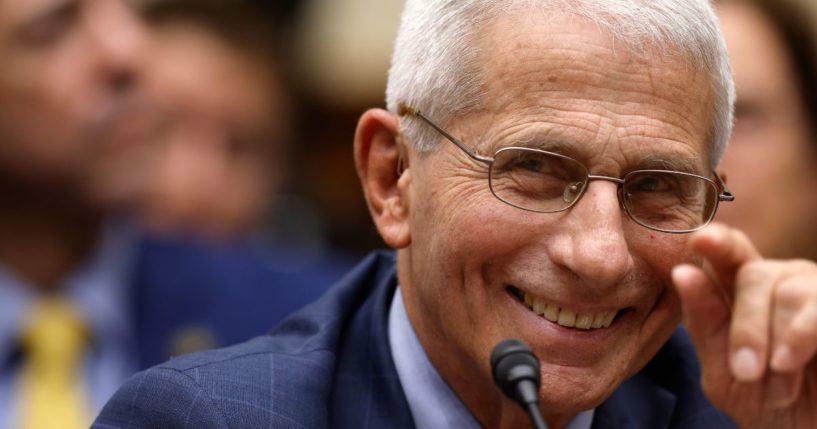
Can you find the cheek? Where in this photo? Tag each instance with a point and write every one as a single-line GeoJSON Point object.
{"type": "Point", "coordinates": [658, 255]}
{"type": "Point", "coordinates": [456, 234]}
{"type": "Point", "coordinates": [656, 330]}
{"type": "Point", "coordinates": [455, 218]}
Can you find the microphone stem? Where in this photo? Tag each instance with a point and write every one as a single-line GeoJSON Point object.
{"type": "Point", "coordinates": [536, 416]}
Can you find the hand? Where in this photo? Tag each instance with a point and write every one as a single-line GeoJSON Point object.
{"type": "Point", "coordinates": [754, 326]}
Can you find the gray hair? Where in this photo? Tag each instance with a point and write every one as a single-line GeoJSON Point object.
{"type": "Point", "coordinates": [435, 66]}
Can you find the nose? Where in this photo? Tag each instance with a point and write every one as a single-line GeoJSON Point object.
{"type": "Point", "coordinates": [120, 39]}
{"type": "Point", "coordinates": [591, 242]}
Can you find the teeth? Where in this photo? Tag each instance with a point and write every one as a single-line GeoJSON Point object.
{"type": "Point", "coordinates": [551, 313]}
{"type": "Point", "coordinates": [609, 319]}
{"type": "Point", "coordinates": [538, 307]}
{"type": "Point", "coordinates": [568, 318]}
{"type": "Point", "coordinates": [598, 320]}
{"type": "Point", "coordinates": [584, 321]}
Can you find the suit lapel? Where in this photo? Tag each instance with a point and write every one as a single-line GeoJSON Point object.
{"type": "Point", "coordinates": [367, 392]}
{"type": "Point", "coordinates": [637, 403]}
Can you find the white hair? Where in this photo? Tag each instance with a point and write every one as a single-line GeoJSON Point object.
{"type": "Point", "coordinates": [435, 64]}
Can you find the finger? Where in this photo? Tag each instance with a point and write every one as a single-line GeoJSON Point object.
{"type": "Point", "coordinates": [782, 389]}
{"type": "Point", "coordinates": [750, 327]}
{"type": "Point", "coordinates": [725, 249]}
{"type": "Point", "coordinates": [795, 342]}
{"type": "Point", "coordinates": [706, 317]}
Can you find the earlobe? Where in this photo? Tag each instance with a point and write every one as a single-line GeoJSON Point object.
{"type": "Point", "coordinates": [384, 175]}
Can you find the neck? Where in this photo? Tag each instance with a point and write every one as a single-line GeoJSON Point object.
{"type": "Point", "coordinates": [44, 236]}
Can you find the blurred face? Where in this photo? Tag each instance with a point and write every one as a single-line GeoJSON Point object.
{"type": "Point", "coordinates": [473, 260]}
{"type": "Point", "coordinates": [210, 168]}
{"type": "Point", "coordinates": [770, 161]}
{"type": "Point", "coordinates": [67, 79]}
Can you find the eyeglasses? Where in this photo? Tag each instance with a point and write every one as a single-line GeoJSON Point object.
{"type": "Point", "coordinates": [547, 182]}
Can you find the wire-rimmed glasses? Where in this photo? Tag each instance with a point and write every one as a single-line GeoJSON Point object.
{"type": "Point", "coordinates": [547, 182]}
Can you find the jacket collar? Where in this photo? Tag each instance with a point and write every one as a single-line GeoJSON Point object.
{"type": "Point", "coordinates": [367, 392]}
{"type": "Point", "coordinates": [638, 403]}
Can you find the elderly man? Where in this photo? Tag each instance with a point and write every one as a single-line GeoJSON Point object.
{"type": "Point", "coordinates": [538, 170]}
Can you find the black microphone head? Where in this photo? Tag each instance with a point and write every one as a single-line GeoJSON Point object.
{"type": "Point", "coordinates": [513, 362]}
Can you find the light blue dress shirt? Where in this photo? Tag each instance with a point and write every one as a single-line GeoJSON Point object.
{"type": "Point", "coordinates": [432, 402]}
{"type": "Point", "coordinates": [99, 291]}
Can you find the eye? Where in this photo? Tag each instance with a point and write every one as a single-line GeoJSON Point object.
{"type": "Point", "coordinates": [534, 163]}
{"type": "Point", "coordinates": [51, 26]}
{"type": "Point", "coordinates": [528, 163]}
{"type": "Point", "coordinates": [650, 183]}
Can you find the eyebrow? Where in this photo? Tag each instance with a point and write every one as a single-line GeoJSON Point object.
{"type": "Point", "coordinates": [671, 163]}
{"type": "Point", "coordinates": [652, 161]}
{"type": "Point", "coordinates": [547, 144]}
{"type": "Point", "coordinates": [49, 11]}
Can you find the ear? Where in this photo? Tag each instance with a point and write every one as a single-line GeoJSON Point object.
{"type": "Point", "coordinates": [384, 175]}
{"type": "Point", "coordinates": [723, 175]}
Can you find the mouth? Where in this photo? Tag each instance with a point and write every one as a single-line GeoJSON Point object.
{"type": "Point", "coordinates": [566, 317]}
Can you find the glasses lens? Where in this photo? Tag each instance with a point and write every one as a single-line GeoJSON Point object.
{"type": "Point", "coordinates": [669, 201]}
{"type": "Point", "coordinates": [535, 180]}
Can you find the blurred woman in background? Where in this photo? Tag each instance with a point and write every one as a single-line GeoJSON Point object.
{"type": "Point", "coordinates": [771, 161]}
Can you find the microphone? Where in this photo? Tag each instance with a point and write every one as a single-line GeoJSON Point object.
{"type": "Point", "coordinates": [516, 372]}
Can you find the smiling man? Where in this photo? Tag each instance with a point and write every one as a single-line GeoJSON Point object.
{"type": "Point", "coordinates": [540, 170]}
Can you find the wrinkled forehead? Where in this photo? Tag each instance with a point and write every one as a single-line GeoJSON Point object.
{"type": "Point", "coordinates": [561, 65]}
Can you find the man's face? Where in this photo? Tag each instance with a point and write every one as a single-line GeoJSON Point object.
{"type": "Point", "coordinates": [771, 158]}
{"type": "Point", "coordinates": [217, 159]}
{"type": "Point", "coordinates": [67, 79]}
{"type": "Point", "coordinates": [565, 88]}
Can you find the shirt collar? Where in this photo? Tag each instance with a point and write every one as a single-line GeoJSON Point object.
{"type": "Point", "coordinates": [16, 299]}
{"type": "Point", "coordinates": [99, 290]}
{"type": "Point", "coordinates": [432, 402]}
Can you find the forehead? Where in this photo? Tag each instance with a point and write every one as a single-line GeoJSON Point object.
{"type": "Point", "coordinates": [563, 78]}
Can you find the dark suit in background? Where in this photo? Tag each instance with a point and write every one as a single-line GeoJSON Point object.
{"type": "Point", "coordinates": [167, 297]}
{"type": "Point", "coordinates": [189, 294]}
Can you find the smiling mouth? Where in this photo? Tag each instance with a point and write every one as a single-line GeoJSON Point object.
{"type": "Point", "coordinates": [565, 317]}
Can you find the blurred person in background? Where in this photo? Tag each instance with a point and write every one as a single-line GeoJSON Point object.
{"type": "Point", "coordinates": [772, 157]}
{"type": "Point", "coordinates": [86, 299]}
{"type": "Point", "coordinates": [68, 81]}
{"type": "Point", "coordinates": [220, 157]}
{"type": "Point", "coordinates": [218, 164]}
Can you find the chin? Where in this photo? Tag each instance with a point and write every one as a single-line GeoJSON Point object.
{"type": "Point", "coordinates": [573, 390]}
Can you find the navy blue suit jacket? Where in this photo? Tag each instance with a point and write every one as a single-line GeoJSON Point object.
{"type": "Point", "coordinates": [187, 294]}
{"type": "Point", "coordinates": [330, 365]}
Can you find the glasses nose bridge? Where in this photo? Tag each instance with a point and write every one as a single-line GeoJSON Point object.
{"type": "Point", "coordinates": [615, 180]}
{"type": "Point", "coordinates": [619, 187]}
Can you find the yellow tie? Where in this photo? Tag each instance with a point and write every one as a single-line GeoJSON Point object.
{"type": "Point", "coordinates": [50, 387]}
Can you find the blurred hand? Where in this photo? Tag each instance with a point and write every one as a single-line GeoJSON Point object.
{"type": "Point", "coordinates": [754, 326]}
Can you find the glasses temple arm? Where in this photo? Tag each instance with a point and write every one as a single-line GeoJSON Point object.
{"type": "Point", "coordinates": [404, 109]}
{"type": "Point", "coordinates": [726, 194]}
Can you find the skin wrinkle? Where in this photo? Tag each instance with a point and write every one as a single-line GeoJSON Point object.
{"type": "Point", "coordinates": [624, 109]}
{"type": "Point", "coordinates": [674, 114]}
{"type": "Point", "coordinates": [541, 135]}
{"type": "Point", "coordinates": [594, 80]}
